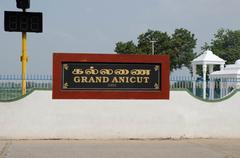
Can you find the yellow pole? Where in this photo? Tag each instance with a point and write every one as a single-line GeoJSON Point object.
{"type": "Point", "coordinates": [24, 59]}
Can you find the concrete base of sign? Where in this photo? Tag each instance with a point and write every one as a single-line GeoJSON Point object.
{"type": "Point", "coordinates": [39, 117]}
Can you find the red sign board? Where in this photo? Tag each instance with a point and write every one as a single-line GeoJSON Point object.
{"type": "Point", "coordinates": [110, 76]}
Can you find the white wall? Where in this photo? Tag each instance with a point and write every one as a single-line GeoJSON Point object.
{"type": "Point", "coordinates": [39, 117]}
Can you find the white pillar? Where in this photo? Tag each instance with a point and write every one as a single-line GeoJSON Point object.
{"type": "Point", "coordinates": [221, 82]}
{"type": "Point", "coordinates": [194, 79]}
{"type": "Point", "coordinates": [210, 89]}
{"type": "Point", "coordinates": [204, 80]}
{"type": "Point", "coordinates": [227, 86]}
{"type": "Point", "coordinates": [221, 66]}
{"type": "Point", "coordinates": [211, 84]}
{"type": "Point", "coordinates": [210, 69]}
{"type": "Point", "coordinates": [224, 87]}
{"type": "Point", "coordinates": [213, 89]}
{"type": "Point", "coordinates": [221, 87]}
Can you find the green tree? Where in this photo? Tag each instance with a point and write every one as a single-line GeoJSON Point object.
{"type": "Point", "coordinates": [182, 47]}
{"type": "Point", "coordinates": [179, 46]}
{"type": "Point", "coordinates": [161, 44]}
{"type": "Point", "coordinates": [126, 48]}
{"type": "Point", "coordinates": [226, 44]}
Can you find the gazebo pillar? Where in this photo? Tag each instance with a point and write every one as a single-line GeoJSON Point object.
{"type": "Point", "coordinates": [221, 82]}
{"type": "Point", "coordinates": [211, 84]}
{"type": "Point", "coordinates": [221, 67]}
{"type": "Point", "coordinates": [227, 86]}
{"type": "Point", "coordinates": [194, 79]}
{"type": "Point", "coordinates": [211, 89]}
{"type": "Point", "coordinates": [210, 69]}
{"type": "Point", "coordinates": [204, 80]}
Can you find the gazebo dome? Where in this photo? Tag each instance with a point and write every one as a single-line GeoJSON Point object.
{"type": "Point", "coordinates": [208, 52]}
{"type": "Point", "coordinates": [231, 70]}
{"type": "Point", "coordinates": [237, 62]}
{"type": "Point", "coordinates": [208, 58]}
{"type": "Point", "coordinates": [233, 66]}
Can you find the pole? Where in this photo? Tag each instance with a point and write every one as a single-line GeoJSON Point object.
{"type": "Point", "coordinates": [24, 60]}
{"type": "Point", "coordinates": [152, 46]}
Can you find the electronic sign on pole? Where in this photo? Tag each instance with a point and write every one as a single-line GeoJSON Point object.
{"type": "Point", "coordinates": [23, 22]}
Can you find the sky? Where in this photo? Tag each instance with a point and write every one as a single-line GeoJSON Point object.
{"type": "Point", "coordinates": [94, 26]}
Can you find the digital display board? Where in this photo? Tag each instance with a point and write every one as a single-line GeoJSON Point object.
{"type": "Point", "coordinates": [23, 21]}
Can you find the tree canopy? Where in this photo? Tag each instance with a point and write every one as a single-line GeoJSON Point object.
{"type": "Point", "coordinates": [179, 46]}
{"type": "Point", "coordinates": [183, 43]}
{"type": "Point", "coordinates": [161, 39]}
{"type": "Point", "coordinates": [126, 48]}
{"type": "Point", "coordinates": [226, 44]}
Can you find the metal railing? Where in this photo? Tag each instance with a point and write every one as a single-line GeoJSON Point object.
{"type": "Point", "coordinates": [11, 85]}
{"type": "Point", "coordinates": [220, 87]}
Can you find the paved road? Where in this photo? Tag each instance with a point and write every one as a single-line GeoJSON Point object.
{"type": "Point", "coordinates": [188, 148]}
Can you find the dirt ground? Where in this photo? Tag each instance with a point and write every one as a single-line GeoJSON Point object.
{"type": "Point", "coordinates": [183, 148]}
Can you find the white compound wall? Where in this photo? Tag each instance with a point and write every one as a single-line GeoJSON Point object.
{"type": "Point", "coordinates": [37, 116]}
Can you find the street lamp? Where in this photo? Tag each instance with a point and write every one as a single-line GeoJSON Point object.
{"type": "Point", "coordinates": [153, 42]}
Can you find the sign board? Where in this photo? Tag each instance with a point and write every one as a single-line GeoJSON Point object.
{"type": "Point", "coordinates": [23, 21]}
{"type": "Point", "coordinates": [110, 76]}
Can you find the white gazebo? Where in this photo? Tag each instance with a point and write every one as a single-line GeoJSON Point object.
{"type": "Point", "coordinates": [230, 78]}
{"type": "Point", "coordinates": [206, 59]}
